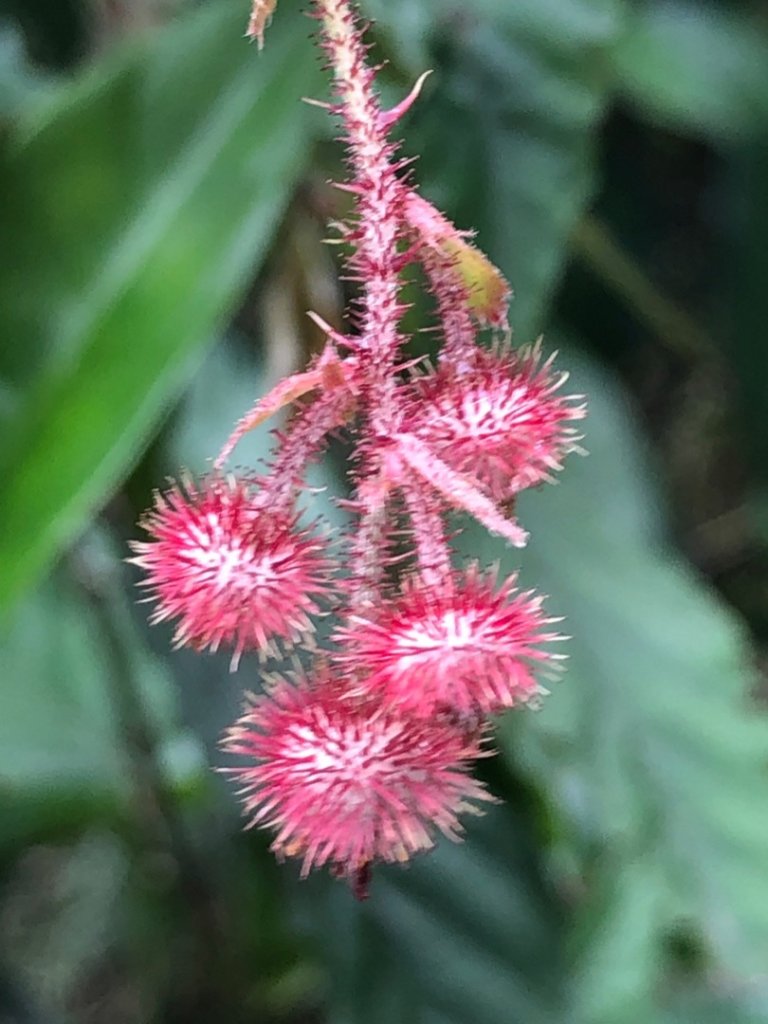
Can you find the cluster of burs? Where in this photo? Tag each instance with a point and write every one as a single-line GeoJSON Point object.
{"type": "Point", "coordinates": [365, 755]}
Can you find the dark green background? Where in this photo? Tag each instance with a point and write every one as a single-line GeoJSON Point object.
{"type": "Point", "coordinates": [162, 201]}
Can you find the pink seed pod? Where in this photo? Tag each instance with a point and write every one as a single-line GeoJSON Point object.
{"type": "Point", "coordinates": [346, 783]}
{"type": "Point", "coordinates": [501, 418]}
{"type": "Point", "coordinates": [231, 572]}
{"type": "Point", "coordinates": [471, 648]}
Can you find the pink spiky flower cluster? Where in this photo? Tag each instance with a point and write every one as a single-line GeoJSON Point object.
{"type": "Point", "coordinates": [365, 754]}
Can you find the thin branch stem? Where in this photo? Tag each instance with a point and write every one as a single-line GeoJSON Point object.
{"type": "Point", "coordinates": [428, 529]}
{"type": "Point", "coordinates": [162, 820]}
{"type": "Point", "coordinates": [598, 249]}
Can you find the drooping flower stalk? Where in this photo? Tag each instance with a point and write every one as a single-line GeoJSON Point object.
{"type": "Point", "coordinates": [376, 265]}
{"type": "Point", "coordinates": [378, 226]}
{"type": "Point", "coordinates": [365, 755]}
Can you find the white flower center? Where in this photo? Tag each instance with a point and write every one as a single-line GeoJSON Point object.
{"type": "Point", "coordinates": [349, 758]}
{"type": "Point", "coordinates": [225, 560]}
{"type": "Point", "coordinates": [452, 630]}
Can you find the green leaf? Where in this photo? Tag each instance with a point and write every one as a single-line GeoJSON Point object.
{"type": "Point", "coordinates": [696, 67]}
{"type": "Point", "coordinates": [405, 29]}
{"type": "Point", "coordinates": [747, 220]}
{"type": "Point", "coordinates": [617, 956]}
{"type": "Point", "coordinates": [19, 83]}
{"type": "Point", "coordinates": [741, 1005]}
{"type": "Point", "coordinates": [57, 723]}
{"type": "Point", "coordinates": [468, 933]}
{"type": "Point", "coordinates": [63, 756]}
{"type": "Point", "coordinates": [506, 135]}
{"type": "Point", "coordinates": [173, 168]}
{"type": "Point", "coordinates": [652, 723]}
{"type": "Point", "coordinates": [59, 933]}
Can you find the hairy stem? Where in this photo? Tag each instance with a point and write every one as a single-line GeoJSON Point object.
{"type": "Point", "coordinates": [428, 528]}
{"type": "Point", "coordinates": [379, 199]}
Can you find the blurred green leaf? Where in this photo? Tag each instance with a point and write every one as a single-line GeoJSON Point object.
{"type": "Point", "coordinates": [737, 1005]}
{"type": "Point", "coordinates": [19, 82]}
{"type": "Point", "coordinates": [552, 84]}
{"type": "Point", "coordinates": [469, 933]}
{"type": "Point", "coordinates": [652, 728]}
{"type": "Point", "coordinates": [172, 168]}
{"type": "Point", "coordinates": [57, 729]}
{"type": "Point", "coordinates": [617, 958]}
{"type": "Point", "coordinates": [228, 382]}
{"type": "Point", "coordinates": [63, 756]}
{"type": "Point", "coordinates": [406, 29]}
{"type": "Point", "coordinates": [56, 933]}
{"type": "Point", "coordinates": [696, 66]}
{"type": "Point", "coordinates": [745, 347]}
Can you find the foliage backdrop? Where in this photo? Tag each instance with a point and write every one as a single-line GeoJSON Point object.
{"type": "Point", "coordinates": [162, 200]}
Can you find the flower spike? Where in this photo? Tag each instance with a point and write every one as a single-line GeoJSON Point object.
{"type": "Point", "coordinates": [366, 756]}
